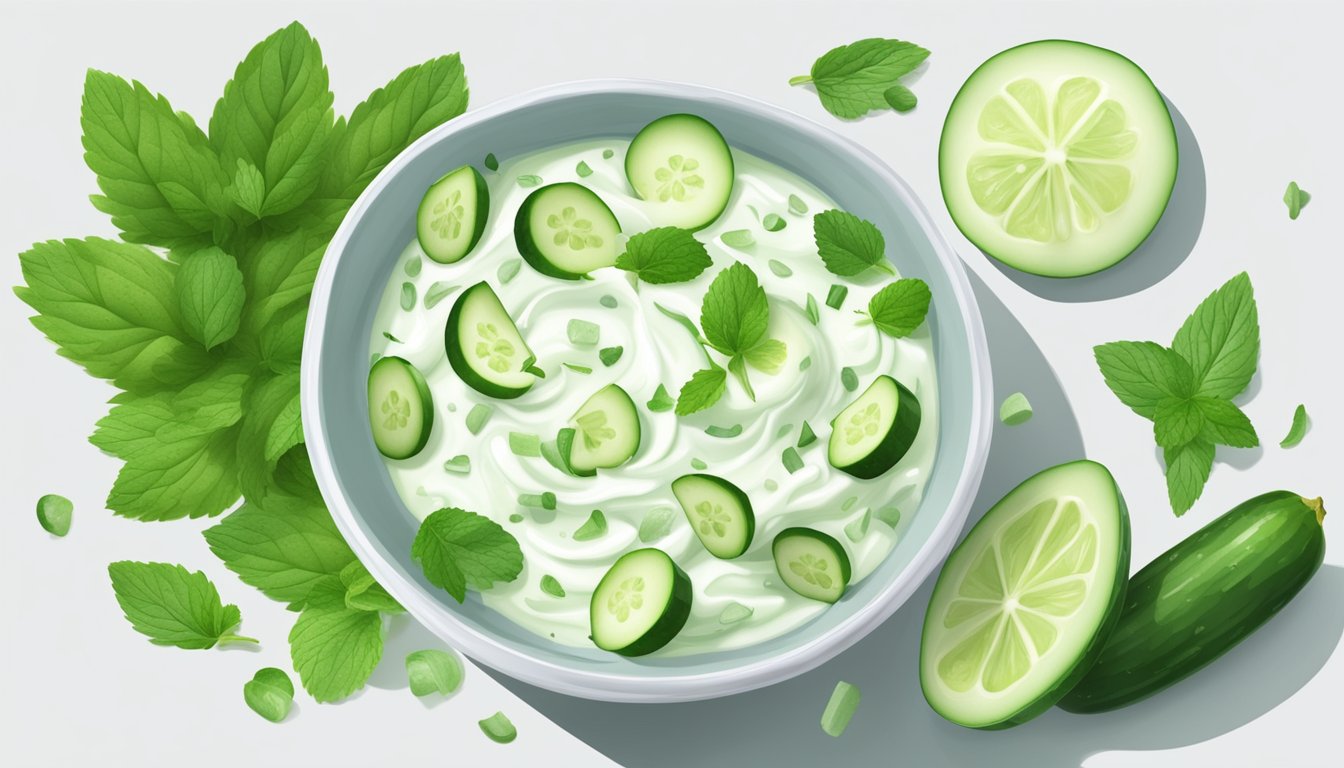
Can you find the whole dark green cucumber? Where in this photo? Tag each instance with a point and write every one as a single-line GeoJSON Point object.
{"type": "Point", "coordinates": [1203, 596]}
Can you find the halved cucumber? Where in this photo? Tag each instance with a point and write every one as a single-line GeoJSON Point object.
{"type": "Point", "coordinates": [640, 604]}
{"type": "Point", "coordinates": [682, 165]}
{"type": "Point", "coordinates": [606, 431]}
{"type": "Point", "coordinates": [1057, 158]}
{"type": "Point", "coordinates": [452, 215]}
{"type": "Point", "coordinates": [875, 431]}
{"type": "Point", "coordinates": [566, 231]}
{"type": "Point", "coordinates": [484, 346]}
{"type": "Point", "coordinates": [811, 563]}
{"type": "Point", "coordinates": [1025, 602]}
{"type": "Point", "coordinates": [719, 513]}
{"type": "Point", "coordinates": [401, 410]}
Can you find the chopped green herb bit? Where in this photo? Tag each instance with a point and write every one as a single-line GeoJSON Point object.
{"type": "Point", "coordinates": [375, 357]}
{"type": "Point", "coordinates": [1298, 430]}
{"type": "Point", "coordinates": [813, 312]}
{"type": "Point", "coordinates": [492, 162]}
{"type": "Point", "coordinates": [433, 671]}
{"type": "Point", "coordinates": [54, 514]}
{"type": "Point", "coordinates": [609, 355]}
{"type": "Point", "coordinates": [595, 527]}
{"type": "Point", "coordinates": [607, 154]}
{"type": "Point", "coordinates": [738, 238]}
{"type": "Point", "coordinates": [755, 214]}
{"type": "Point", "coordinates": [583, 170]}
{"type": "Point", "coordinates": [608, 301]}
{"type": "Point", "coordinates": [585, 370]}
{"type": "Point", "coordinates": [583, 333]}
{"type": "Point", "coordinates": [270, 693]}
{"type": "Point", "coordinates": [840, 709]}
{"type": "Point", "coordinates": [516, 518]}
{"type": "Point", "coordinates": [1296, 198]}
{"type": "Point", "coordinates": [780, 268]}
{"type": "Point", "coordinates": [509, 270]}
{"type": "Point", "coordinates": [458, 465]}
{"type": "Point", "coordinates": [796, 205]}
{"type": "Point", "coordinates": [499, 728]}
{"type": "Point", "coordinates": [529, 180]}
{"type": "Point", "coordinates": [857, 528]}
{"type": "Point", "coordinates": [848, 503]}
{"type": "Point", "coordinates": [698, 465]}
{"type": "Point", "coordinates": [391, 338]}
{"type": "Point", "coordinates": [734, 612]}
{"type": "Point", "coordinates": [551, 453]}
{"type": "Point", "coordinates": [773, 222]}
{"type": "Point", "coordinates": [452, 408]}
{"type": "Point", "coordinates": [836, 297]}
{"type": "Point", "coordinates": [524, 444]}
{"type": "Point", "coordinates": [544, 500]}
{"type": "Point", "coordinates": [564, 446]}
{"type": "Point", "coordinates": [849, 378]}
{"type": "Point", "coordinates": [551, 586]}
{"type": "Point", "coordinates": [783, 431]}
{"type": "Point", "coordinates": [412, 266]}
{"type": "Point", "coordinates": [792, 461]}
{"type": "Point", "coordinates": [548, 500]}
{"type": "Point", "coordinates": [805, 363]}
{"type": "Point", "coordinates": [889, 515]}
{"type": "Point", "coordinates": [662, 401]}
{"type": "Point", "coordinates": [771, 485]}
{"type": "Point", "coordinates": [656, 524]}
{"type": "Point", "coordinates": [900, 98]}
{"type": "Point", "coordinates": [437, 293]}
{"type": "Point", "coordinates": [714, 430]}
{"type": "Point", "coordinates": [806, 436]}
{"type": "Point", "coordinates": [1016, 409]}
{"type": "Point", "coordinates": [478, 416]}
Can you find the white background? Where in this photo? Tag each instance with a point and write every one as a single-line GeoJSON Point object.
{"type": "Point", "coordinates": [1257, 86]}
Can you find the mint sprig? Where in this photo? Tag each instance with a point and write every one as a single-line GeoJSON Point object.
{"type": "Point", "coordinates": [849, 245]}
{"type": "Point", "coordinates": [664, 255]}
{"type": "Point", "coordinates": [173, 606]}
{"type": "Point", "coordinates": [853, 80]}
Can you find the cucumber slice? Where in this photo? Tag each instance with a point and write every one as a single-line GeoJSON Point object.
{"type": "Point", "coordinates": [606, 431]}
{"type": "Point", "coordinates": [566, 231]}
{"type": "Point", "coordinates": [719, 513]}
{"type": "Point", "coordinates": [401, 410]}
{"type": "Point", "coordinates": [484, 346]}
{"type": "Point", "coordinates": [1057, 158]}
{"type": "Point", "coordinates": [640, 604]}
{"type": "Point", "coordinates": [875, 431]}
{"type": "Point", "coordinates": [684, 168]}
{"type": "Point", "coordinates": [452, 215]}
{"type": "Point", "coordinates": [1025, 602]}
{"type": "Point", "coordinates": [811, 563]}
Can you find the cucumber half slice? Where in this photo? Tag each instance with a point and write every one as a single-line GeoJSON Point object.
{"type": "Point", "coordinates": [1057, 158]}
{"type": "Point", "coordinates": [811, 563]}
{"type": "Point", "coordinates": [484, 346]}
{"type": "Point", "coordinates": [606, 431]}
{"type": "Point", "coordinates": [640, 604]}
{"type": "Point", "coordinates": [875, 431]}
{"type": "Point", "coordinates": [401, 411]}
{"type": "Point", "coordinates": [452, 215]}
{"type": "Point", "coordinates": [684, 168]}
{"type": "Point", "coordinates": [566, 231]}
{"type": "Point", "coordinates": [1025, 602]}
{"type": "Point", "coordinates": [719, 513]}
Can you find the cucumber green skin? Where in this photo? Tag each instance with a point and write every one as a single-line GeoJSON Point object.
{"type": "Point", "coordinates": [527, 246]}
{"type": "Point", "coordinates": [674, 617]}
{"type": "Point", "coordinates": [482, 214]}
{"type": "Point", "coordinates": [1247, 584]}
{"type": "Point", "coordinates": [459, 362]}
{"type": "Point", "coordinates": [897, 441]}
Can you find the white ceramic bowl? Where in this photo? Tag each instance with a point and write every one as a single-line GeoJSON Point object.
{"type": "Point", "coordinates": [373, 519]}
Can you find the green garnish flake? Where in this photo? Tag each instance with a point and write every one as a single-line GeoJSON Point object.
{"type": "Point", "coordinates": [1015, 409]}
{"type": "Point", "coordinates": [849, 379]}
{"type": "Point", "coordinates": [835, 298]}
{"type": "Point", "coordinates": [509, 270]}
{"type": "Point", "coordinates": [734, 612]}
{"type": "Point", "coordinates": [1298, 430]}
{"type": "Point", "coordinates": [900, 98]}
{"type": "Point", "coordinates": [853, 80]}
{"type": "Point", "coordinates": [412, 266]}
{"type": "Point", "coordinates": [698, 465]}
{"type": "Point", "coordinates": [773, 222]}
{"type": "Point", "coordinates": [498, 728]}
{"type": "Point", "coordinates": [857, 528]}
{"type": "Point", "coordinates": [388, 335]}
{"type": "Point", "coordinates": [1296, 198]}
{"type": "Point", "coordinates": [607, 154]}
{"type": "Point", "coordinates": [890, 515]}
{"type": "Point", "coordinates": [771, 485]}
{"type": "Point", "coordinates": [438, 292]}
{"type": "Point", "coordinates": [714, 430]}
{"type": "Point", "coordinates": [585, 370]}
{"type": "Point", "coordinates": [551, 586]}
{"type": "Point", "coordinates": [583, 170]}
{"type": "Point", "coordinates": [583, 333]}
{"type": "Point", "coordinates": [594, 527]}
{"type": "Point", "coordinates": [609, 355]}
{"type": "Point", "coordinates": [564, 446]}
{"type": "Point", "coordinates": [792, 461]}
{"type": "Point", "coordinates": [608, 301]}
{"type": "Point", "coordinates": [813, 311]}
{"type": "Point", "coordinates": [433, 671]}
{"type": "Point", "coordinates": [551, 453]}
{"type": "Point", "coordinates": [656, 524]}
{"type": "Point", "coordinates": [270, 693]}
{"type": "Point", "coordinates": [662, 400]}
{"type": "Point", "coordinates": [805, 363]}
{"type": "Point", "coordinates": [545, 500]}
{"type": "Point", "coordinates": [849, 503]}
{"type": "Point", "coordinates": [54, 514]}
{"type": "Point", "coordinates": [806, 436]}
{"type": "Point", "coordinates": [780, 268]}
{"type": "Point", "coordinates": [738, 238]}
{"type": "Point", "coordinates": [478, 416]}
{"type": "Point", "coordinates": [529, 180]}
{"type": "Point", "coordinates": [408, 296]}
{"type": "Point", "coordinates": [783, 431]}
{"type": "Point", "coordinates": [524, 444]}
{"type": "Point", "coordinates": [849, 245]}
{"type": "Point", "coordinates": [458, 465]}
{"type": "Point", "coordinates": [492, 162]}
{"type": "Point", "coordinates": [796, 205]}
{"type": "Point", "coordinates": [840, 709]}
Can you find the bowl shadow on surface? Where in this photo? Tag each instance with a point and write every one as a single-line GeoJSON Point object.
{"type": "Point", "coordinates": [1165, 248]}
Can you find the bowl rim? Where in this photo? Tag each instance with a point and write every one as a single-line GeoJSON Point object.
{"type": "Point", "coordinates": [606, 686]}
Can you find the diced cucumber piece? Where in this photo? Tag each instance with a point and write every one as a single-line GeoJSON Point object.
{"type": "Point", "coordinates": [498, 728]}
{"type": "Point", "coordinates": [683, 167]}
{"type": "Point", "coordinates": [835, 297]}
{"type": "Point", "coordinates": [524, 444]}
{"type": "Point", "coordinates": [484, 346]}
{"type": "Point", "coordinates": [640, 604]}
{"type": "Point", "coordinates": [1016, 409]}
{"type": "Point", "coordinates": [452, 215]}
{"type": "Point", "coordinates": [478, 417]}
{"type": "Point", "coordinates": [719, 513]}
{"type": "Point", "coordinates": [811, 563]}
{"type": "Point", "coordinates": [401, 411]}
{"type": "Point", "coordinates": [875, 431]}
{"type": "Point", "coordinates": [606, 431]}
{"type": "Point", "coordinates": [566, 231]}
{"type": "Point", "coordinates": [595, 527]}
{"type": "Point", "coordinates": [54, 513]}
{"type": "Point", "coordinates": [840, 709]}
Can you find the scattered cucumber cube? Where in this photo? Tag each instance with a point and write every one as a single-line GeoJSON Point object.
{"type": "Point", "coordinates": [583, 170]}
{"type": "Point", "coordinates": [738, 238]}
{"type": "Point", "coordinates": [797, 206]}
{"type": "Point", "coordinates": [608, 301]}
{"type": "Point", "coordinates": [609, 355]}
{"type": "Point", "coordinates": [1016, 409]}
{"type": "Point", "coordinates": [478, 416]}
{"type": "Point", "coordinates": [773, 222]}
{"type": "Point", "coordinates": [792, 461]}
{"type": "Point", "coordinates": [583, 333]}
{"type": "Point", "coordinates": [492, 162]}
{"type": "Point", "coordinates": [607, 154]}
{"type": "Point", "coordinates": [595, 527]}
{"type": "Point", "coordinates": [806, 436]}
{"type": "Point", "coordinates": [551, 586]}
{"type": "Point", "coordinates": [835, 298]}
{"type": "Point", "coordinates": [780, 268]}
{"type": "Point", "coordinates": [524, 444]}
{"type": "Point", "coordinates": [698, 465]}
{"type": "Point", "coordinates": [498, 728]}
{"type": "Point", "coordinates": [458, 465]}
{"type": "Point", "coordinates": [840, 709]}
{"type": "Point", "coordinates": [545, 500]}
{"type": "Point", "coordinates": [889, 515]}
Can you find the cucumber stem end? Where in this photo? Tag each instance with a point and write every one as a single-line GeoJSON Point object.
{"type": "Point", "coordinates": [1316, 505]}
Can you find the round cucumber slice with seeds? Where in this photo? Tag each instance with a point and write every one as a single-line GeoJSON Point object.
{"type": "Point", "coordinates": [640, 604]}
{"type": "Point", "coordinates": [683, 167]}
{"type": "Point", "coordinates": [606, 431]}
{"type": "Point", "coordinates": [566, 231]}
{"type": "Point", "coordinates": [484, 346]}
{"type": "Point", "coordinates": [811, 563]}
{"type": "Point", "coordinates": [1025, 602]}
{"type": "Point", "coordinates": [876, 430]}
{"type": "Point", "coordinates": [1057, 158]}
{"type": "Point", "coordinates": [401, 410]}
{"type": "Point", "coordinates": [719, 513]}
{"type": "Point", "coordinates": [452, 215]}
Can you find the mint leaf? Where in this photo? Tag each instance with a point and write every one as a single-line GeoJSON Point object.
{"type": "Point", "coordinates": [334, 650]}
{"type": "Point", "coordinates": [210, 296]}
{"type": "Point", "coordinates": [852, 80]}
{"type": "Point", "coordinates": [248, 190]}
{"type": "Point", "coordinates": [433, 671]}
{"type": "Point", "coordinates": [661, 400]}
{"type": "Point", "coordinates": [847, 244]}
{"type": "Point", "coordinates": [1177, 421]}
{"type": "Point", "coordinates": [161, 182]}
{"type": "Point", "coordinates": [276, 116]}
{"type": "Point", "coordinates": [1225, 424]}
{"type": "Point", "coordinates": [735, 312]}
{"type": "Point", "coordinates": [279, 276]}
{"type": "Point", "coordinates": [703, 390]}
{"type": "Point", "coordinates": [1221, 340]}
{"type": "Point", "coordinates": [900, 307]}
{"type": "Point", "coordinates": [1296, 198]}
{"type": "Point", "coordinates": [363, 593]}
{"type": "Point", "coordinates": [664, 255]}
{"type": "Point", "coordinates": [1298, 429]}
{"type": "Point", "coordinates": [1142, 374]}
{"type": "Point", "coordinates": [458, 549]}
{"type": "Point", "coordinates": [173, 606]}
{"type": "Point", "coordinates": [767, 356]}
{"type": "Point", "coordinates": [269, 428]}
{"type": "Point", "coordinates": [1188, 468]}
